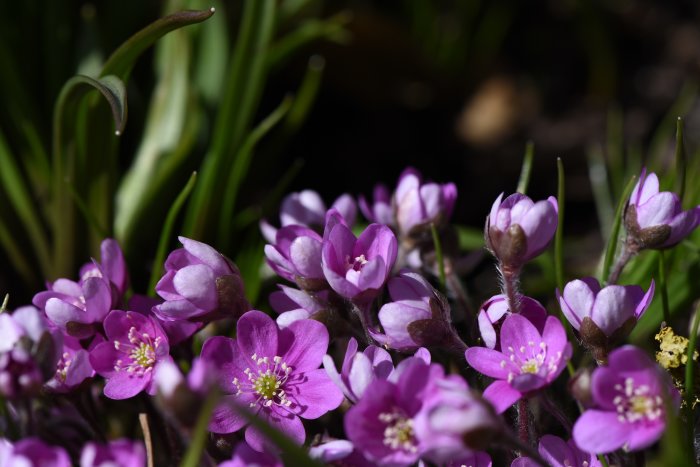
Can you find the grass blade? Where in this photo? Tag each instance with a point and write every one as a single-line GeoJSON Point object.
{"type": "Point", "coordinates": [615, 230]}
{"type": "Point", "coordinates": [559, 235]}
{"type": "Point", "coordinates": [240, 169]}
{"type": "Point", "coordinates": [526, 168]}
{"type": "Point", "coordinates": [166, 234]}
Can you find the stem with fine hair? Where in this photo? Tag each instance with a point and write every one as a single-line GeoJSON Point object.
{"type": "Point", "coordinates": [510, 279]}
{"type": "Point", "coordinates": [523, 422]}
{"type": "Point", "coordinates": [627, 254]}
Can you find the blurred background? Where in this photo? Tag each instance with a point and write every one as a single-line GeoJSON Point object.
{"type": "Point", "coordinates": [453, 88]}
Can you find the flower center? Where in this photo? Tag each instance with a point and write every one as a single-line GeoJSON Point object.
{"type": "Point", "coordinates": [266, 381]}
{"type": "Point", "coordinates": [62, 367]}
{"type": "Point", "coordinates": [398, 433]}
{"type": "Point", "coordinates": [358, 262]}
{"type": "Point", "coordinates": [634, 403]}
{"type": "Point", "coordinates": [140, 352]}
{"type": "Point", "coordinates": [531, 366]}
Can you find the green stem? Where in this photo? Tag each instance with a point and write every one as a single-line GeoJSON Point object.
{"type": "Point", "coordinates": [438, 255]}
{"type": "Point", "coordinates": [689, 380]}
{"type": "Point", "coordinates": [193, 456]}
{"type": "Point", "coordinates": [526, 169]}
{"type": "Point", "coordinates": [166, 233]}
{"type": "Point", "coordinates": [615, 231]}
{"type": "Point", "coordinates": [603, 460]}
{"type": "Point", "coordinates": [664, 288]}
{"type": "Point", "coordinates": [559, 236]}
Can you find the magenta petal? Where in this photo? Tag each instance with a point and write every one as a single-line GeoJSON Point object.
{"type": "Point", "coordinates": [287, 423]}
{"type": "Point", "coordinates": [122, 385]}
{"type": "Point", "coordinates": [578, 298]}
{"type": "Point", "coordinates": [112, 262]}
{"type": "Point", "coordinates": [313, 394]}
{"type": "Point", "coordinates": [206, 255]}
{"type": "Point", "coordinates": [225, 355]}
{"type": "Point", "coordinates": [360, 374]}
{"type": "Point", "coordinates": [525, 462]}
{"type": "Point", "coordinates": [518, 331]}
{"type": "Point", "coordinates": [98, 298]}
{"type": "Point", "coordinates": [227, 416]}
{"type": "Point", "coordinates": [554, 335]}
{"type": "Point", "coordinates": [333, 374]}
{"type": "Point", "coordinates": [490, 362]}
{"type": "Point", "coordinates": [645, 301]}
{"type": "Point", "coordinates": [501, 395]}
{"type": "Point", "coordinates": [556, 451]}
{"type": "Point", "coordinates": [257, 334]}
{"type": "Point", "coordinates": [103, 357]}
{"type": "Point", "coordinates": [539, 225]}
{"type": "Point", "coordinates": [658, 210]}
{"type": "Point", "coordinates": [79, 369]}
{"type": "Point", "coordinates": [614, 305]}
{"type": "Point", "coordinates": [373, 274]}
{"type": "Point", "coordinates": [197, 284]}
{"type": "Point", "coordinates": [590, 436]}
{"type": "Point", "coordinates": [61, 313]}
{"type": "Point", "coordinates": [644, 435]}
{"type": "Point", "coordinates": [305, 254]}
{"type": "Point", "coordinates": [309, 342]}
{"type": "Point", "coordinates": [527, 382]}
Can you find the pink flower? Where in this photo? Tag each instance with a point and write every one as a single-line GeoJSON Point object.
{"type": "Point", "coordinates": [526, 362]}
{"type": "Point", "coordinates": [272, 373]}
{"type": "Point", "coordinates": [630, 396]}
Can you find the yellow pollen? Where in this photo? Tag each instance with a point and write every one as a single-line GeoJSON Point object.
{"type": "Point", "coordinates": [531, 366]}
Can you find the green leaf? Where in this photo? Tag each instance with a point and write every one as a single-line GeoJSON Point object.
{"type": "Point", "coordinates": [19, 197]}
{"type": "Point", "coordinates": [306, 95]}
{"type": "Point", "coordinates": [193, 456]}
{"type": "Point", "coordinates": [526, 168]}
{"type": "Point", "coordinates": [240, 98]}
{"type": "Point", "coordinates": [615, 231]}
{"type": "Point", "coordinates": [122, 60]}
{"type": "Point", "coordinates": [69, 107]}
{"type": "Point", "coordinates": [559, 235]}
{"type": "Point", "coordinates": [240, 169]}
{"type": "Point", "coordinates": [167, 232]}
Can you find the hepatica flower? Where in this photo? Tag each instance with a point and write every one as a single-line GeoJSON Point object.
{"type": "Point", "coordinates": [200, 284]}
{"type": "Point", "coordinates": [655, 219]}
{"type": "Point", "coordinates": [78, 307]}
{"type": "Point", "coordinates": [296, 256]}
{"type": "Point", "coordinates": [526, 362]}
{"type": "Point", "coordinates": [356, 268]}
{"type": "Point", "coordinates": [294, 304]}
{"type": "Point", "coordinates": [380, 211]}
{"type": "Point", "coordinates": [73, 366]}
{"type": "Point", "coordinates": [495, 310]}
{"type": "Point", "coordinates": [559, 453]}
{"type": "Point", "coordinates": [121, 452]}
{"type": "Point", "coordinates": [272, 373]}
{"type": "Point", "coordinates": [630, 395]}
{"type": "Point", "coordinates": [359, 369]}
{"type": "Point", "coordinates": [603, 315]}
{"type": "Point", "coordinates": [518, 229]}
{"type": "Point", "coordinates": [135, 346]}
{"type": "Point", "coordinates": [417, 316]}
{"type": "Point", "coordinates": [30, 452]}
{"type": "Point", "coordinates": [419, 204]}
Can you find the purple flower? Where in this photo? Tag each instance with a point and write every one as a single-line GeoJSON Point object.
{"type": "Point", "coordinates": [293, 305]}
{"type": "Point", "coordinates": [296, 256]}
{"type": "Point", "coordinates": [136, 345]}
{"type": "Point", "coordinates": [357, 268]}
{"type": "Point", "coordinates": [495, 310]}
{"type": "Point", "coordinates": [381, 211]}
{"type": "Point", "coordinates": [418, 204]}
{"type": "Point", "coordinates": [630, 395]}
{"type": "Point", "coordinates": [339, 452]}
{"type": "Point", "coordinates": [307, 209]}
{"type": "Point", "coordinates": [381, 424]}
{"type": "Point", "coordinates": [478, 459]}
{"type": "Point", "coordinates": [122, 452]}
{"type": "Point", "coordinates": [244, 456]}
{"type": "Point", "coordinates": [78, 307]}
{"type": "Point", "coordinates": [518, 229]}
{"type": "Point", "coordinates": [527, 361]}
{"type": "Point", "coordinates": [30, 452]}
{"type": "Point", "coordinates": [454, 421]}
{"type": "Point", "coordinates": [559, 453]}
{"type": "Point", "coordinates": [73, 366]}
{"type": "Point", "coordinates": [359, 369]}
{"type": "Point", "coordinates": [602, 315]}
{"type": "Point", "coordinates": [417, 316]}
{"type": "Point", "coordinates": [656, 219]}
{"type": "Point", "coordinates": [274, 374]}
{"type": "Point", "coordinates": [28, 352]}
{"type": "Point", "coordinates": [200, 284]}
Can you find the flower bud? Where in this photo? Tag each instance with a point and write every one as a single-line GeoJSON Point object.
{"type": "Point", "coordinates": [200, 284]}
{"type": "Point", "coordinates": [418, 204]}
{"type": "Point", "coordinates": [518, 229]}
{"type": "Point", "coordinates": [656, 219]}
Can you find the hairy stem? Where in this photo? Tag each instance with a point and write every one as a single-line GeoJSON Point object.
{"type": "Point", "coordinates": [510, 286]}
{"type": "Point", "coordinates": [627, 254]}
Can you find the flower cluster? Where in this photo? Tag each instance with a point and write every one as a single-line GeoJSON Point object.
{"type": "Point", "coordinates": [376, 356]}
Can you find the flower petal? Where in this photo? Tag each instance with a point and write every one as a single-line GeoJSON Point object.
{"type": "Point", "coordinates": [490, 362]}
{"type": "Point", "coordinates": [303, 344]}
{"type": "Point", "coordinates": [501, 395]}
{"type": "Point", "coordinates": [257, 334]}
{"type": "Point", "coordinates": [313, 394]}
{"type": "Point", "coordinates": [590, 436]}
{"type": "Point", "coordinates": [287, 423]}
